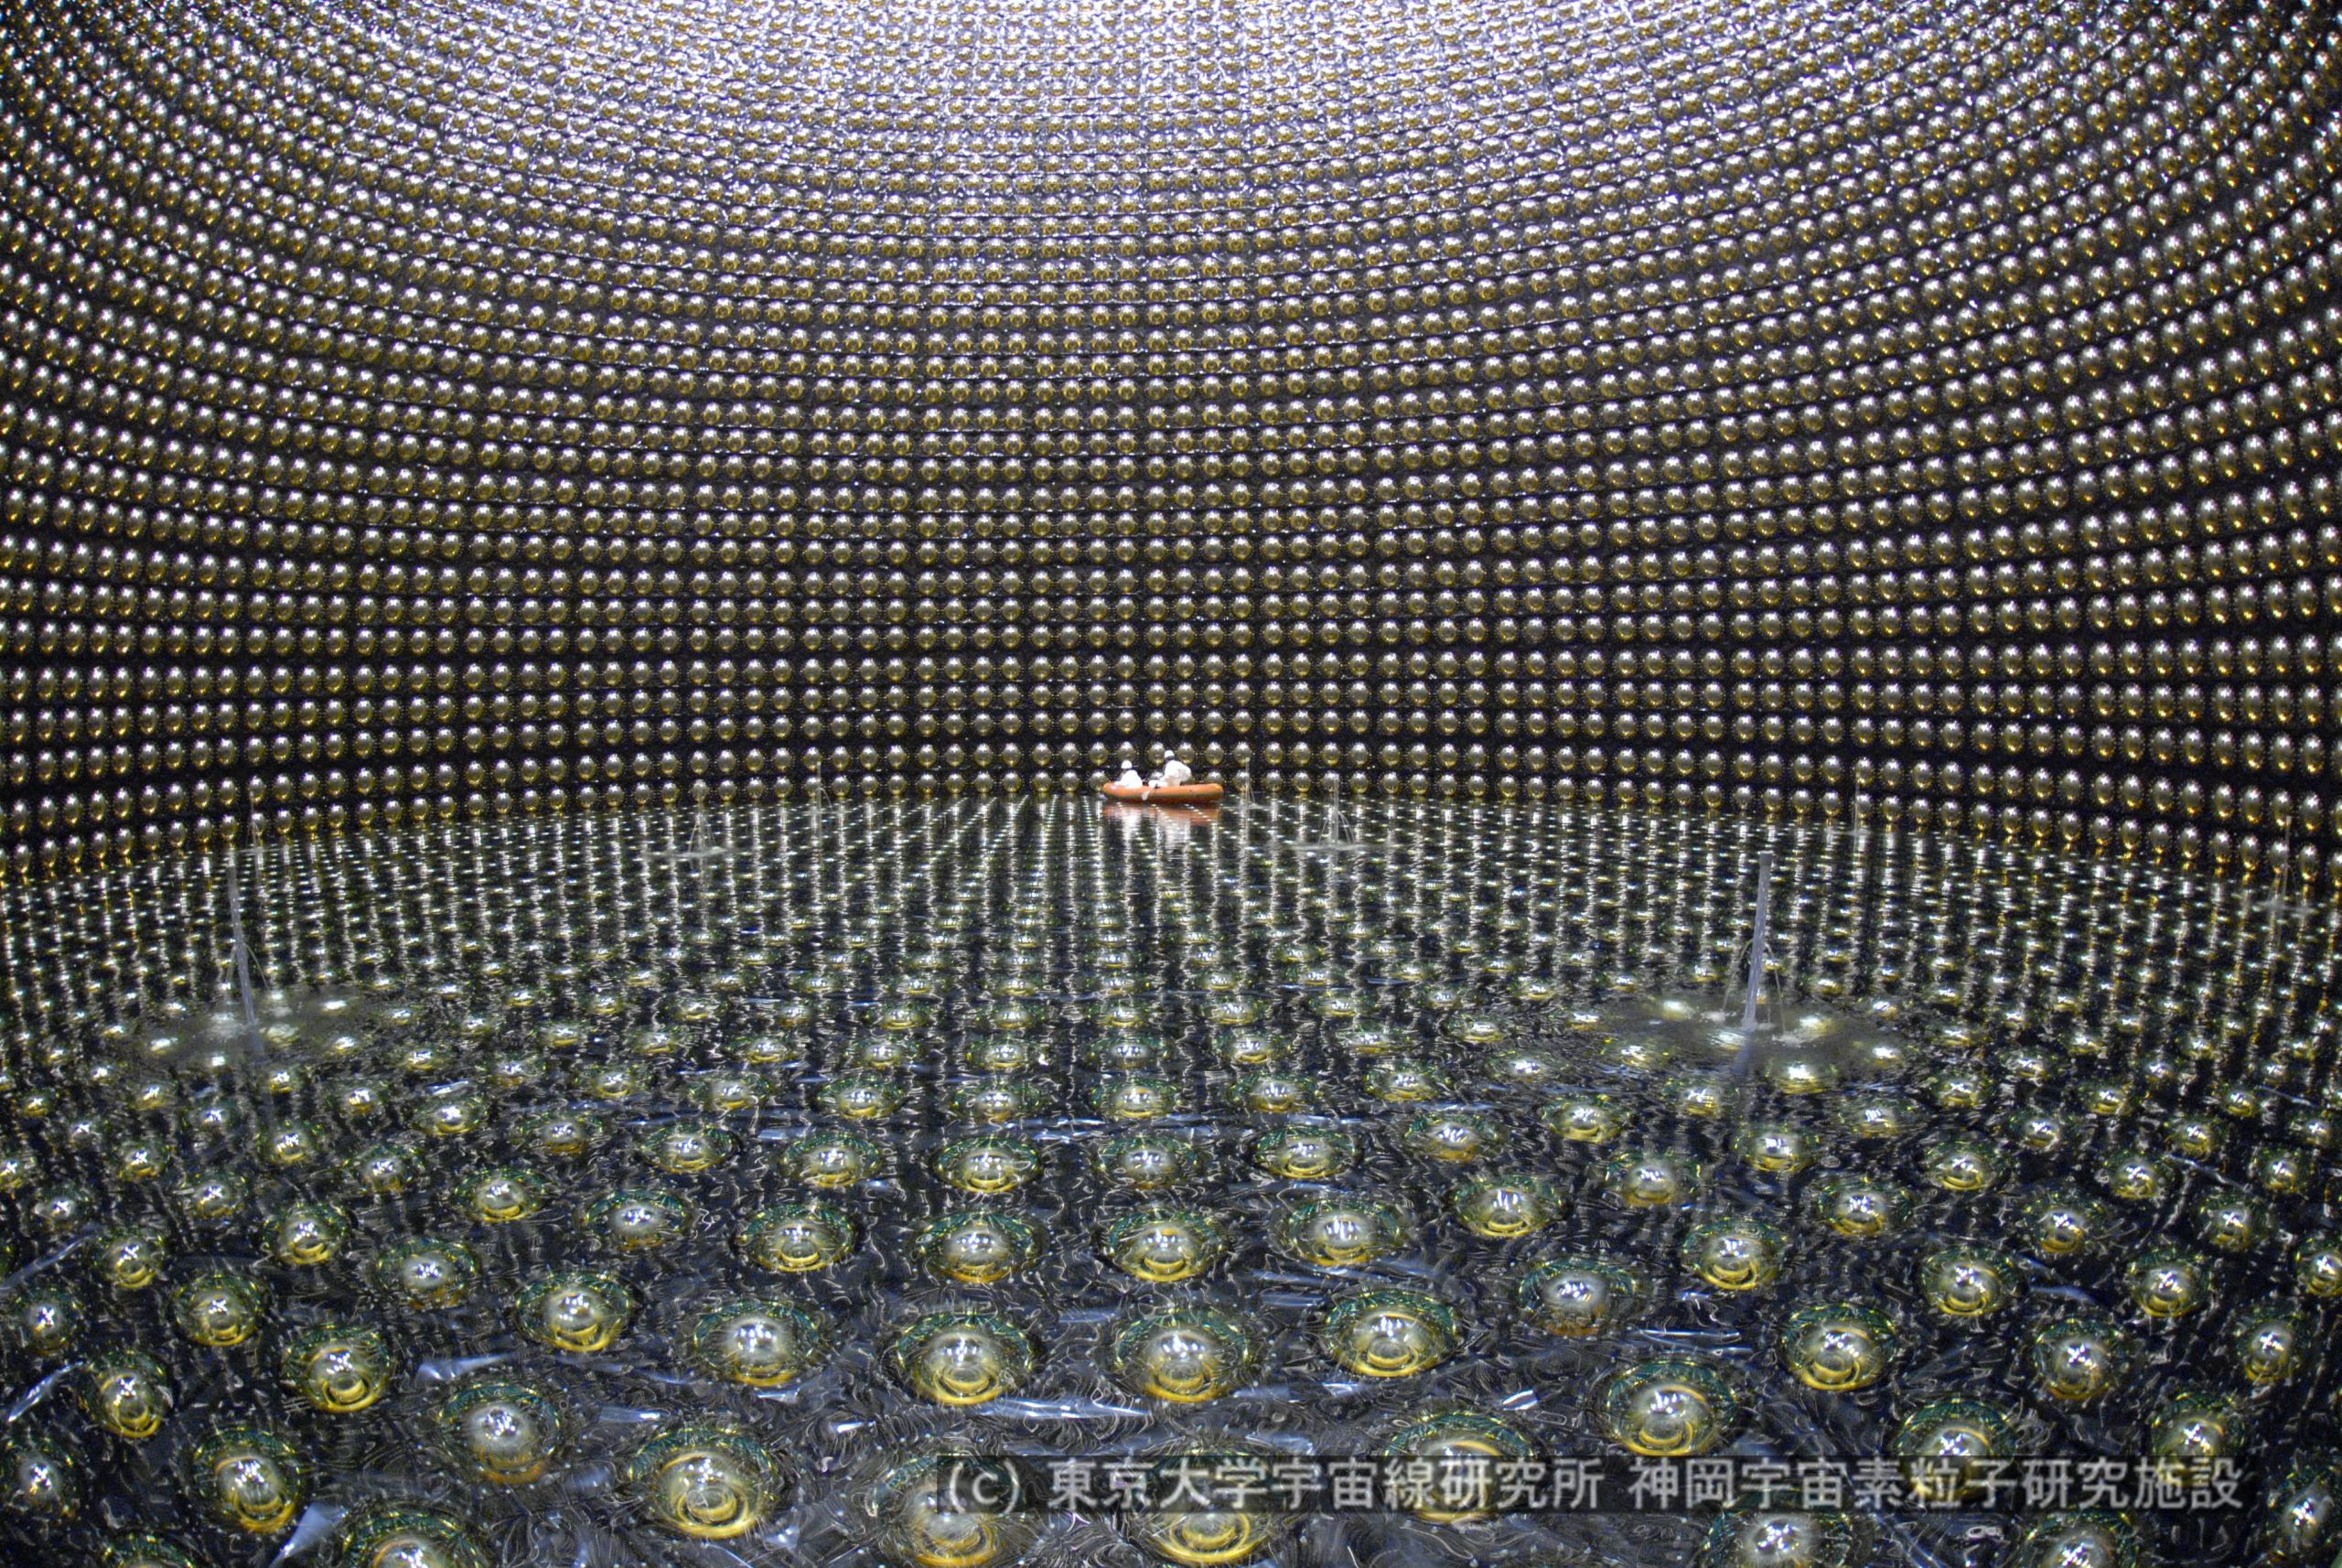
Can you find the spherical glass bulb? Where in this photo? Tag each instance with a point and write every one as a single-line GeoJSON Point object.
{"type": "Point", "coordinates": [2096, 1539]}
{"type": "Point", "coordinates": [2166, 1281]}
{"type": "Point", "coordinates": [338, 1368]}
{"type": "Point", "coordinates": [1451, 1137]}
{"type": "Point", "coordinates": [960, 1359]}
{"type": "Point", "coordinates": [1218, 1517]}
{"type": "Point", "coordinates": [1669, 1407]}
{"type": "Point", "coordinates": [1581, 1297]}
{"type": "Point", "coordinates": [705, 1481]}
{"type": "Point", "coordinates": [1839, 1346]}
{"type": "Point", "coordinates": [1183, 1353]}
{"type": "Point", "coordinates": [1761, 1537]}
{"type": "Point", "coordinates": [923, 1512]}
{"type": "Point", "coordinates": [249, 1480]}
{"type": "Point", "coordinates": [576, 1311]}
{"type": "Point", "coordinates": [501, 1432]}
{"type": "Point", "coordinates": [1966, 1283]}
{"type": "Point", "coordinates": [1164, 1246]}
{"type": "Point", "coordinates": [798, 1238]}
{"type": "Point", "coordinates": [384, 1535]}
{"type": "Point", "coordinates": [1947, 1442]}
{"type": "Point", "coordinates": [1339, 1232]}
{"type": "Point", "coordinates": [759, 1342]}
{"type": "Point", "coordinates": [38, 1480]}
{"type": "Point", "coordinates": [1651, 1178]}
{"type": "Point", "coordinates": [1501, 1206]}
{"type": "Point", "coordinates": [2300, 1513]}
{"type": "Point", "coordinates": [219, 1310]}
{"type": "Point", "coordinates": [1389, 1333]}
{"type": "Point", "coordinates": [127, 1393]}
{"type": "Point", "coordinates": [638, 1219]}
{"type": "Point", "coordinates": [979, 1247]}
{"type": "Point", "coordinates": [829, 1159]}
{"type": "Point", "coordinates": [2079, 1359]}
{"type": "Point", "coordinates": [2270, 1343]}
{"type": "Point", "coordinates": [423, 1274]}
{"type": "Point", "coordinates": [1446, 1439]}
{"type": "Point", "coordinates": [1735, 1252]}
{"type": "Point", "coordinates": [1859, 1207]}
{"type": "Point", "coordinates": [987, 1167]}
{"type": "Point", "coordinates": [1147, 1162]}
{"type": "Point", "coordinates": [1304, 1153]}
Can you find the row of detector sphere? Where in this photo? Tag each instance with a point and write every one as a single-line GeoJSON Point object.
{"type": "Point", "coordinates": [1925, 416]}
{"type": "Point", "coordinates": [494, 952]}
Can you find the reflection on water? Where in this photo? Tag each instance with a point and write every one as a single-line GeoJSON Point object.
{"type": "Point", "coordinates": [629, 1189]}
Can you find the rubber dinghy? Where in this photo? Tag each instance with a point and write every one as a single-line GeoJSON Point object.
{"type": "Point", "coordinates": [1165, 794]}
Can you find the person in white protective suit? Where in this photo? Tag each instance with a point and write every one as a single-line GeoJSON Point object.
{"type": "Point", "coordinates": [1173, 772]}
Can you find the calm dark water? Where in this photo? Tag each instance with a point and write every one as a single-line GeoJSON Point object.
{"type": "Point", "coordinates": [653, 1189]}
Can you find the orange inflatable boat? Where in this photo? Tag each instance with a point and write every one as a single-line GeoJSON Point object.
{"type": "Point", "coordinates": [1164, 795]}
